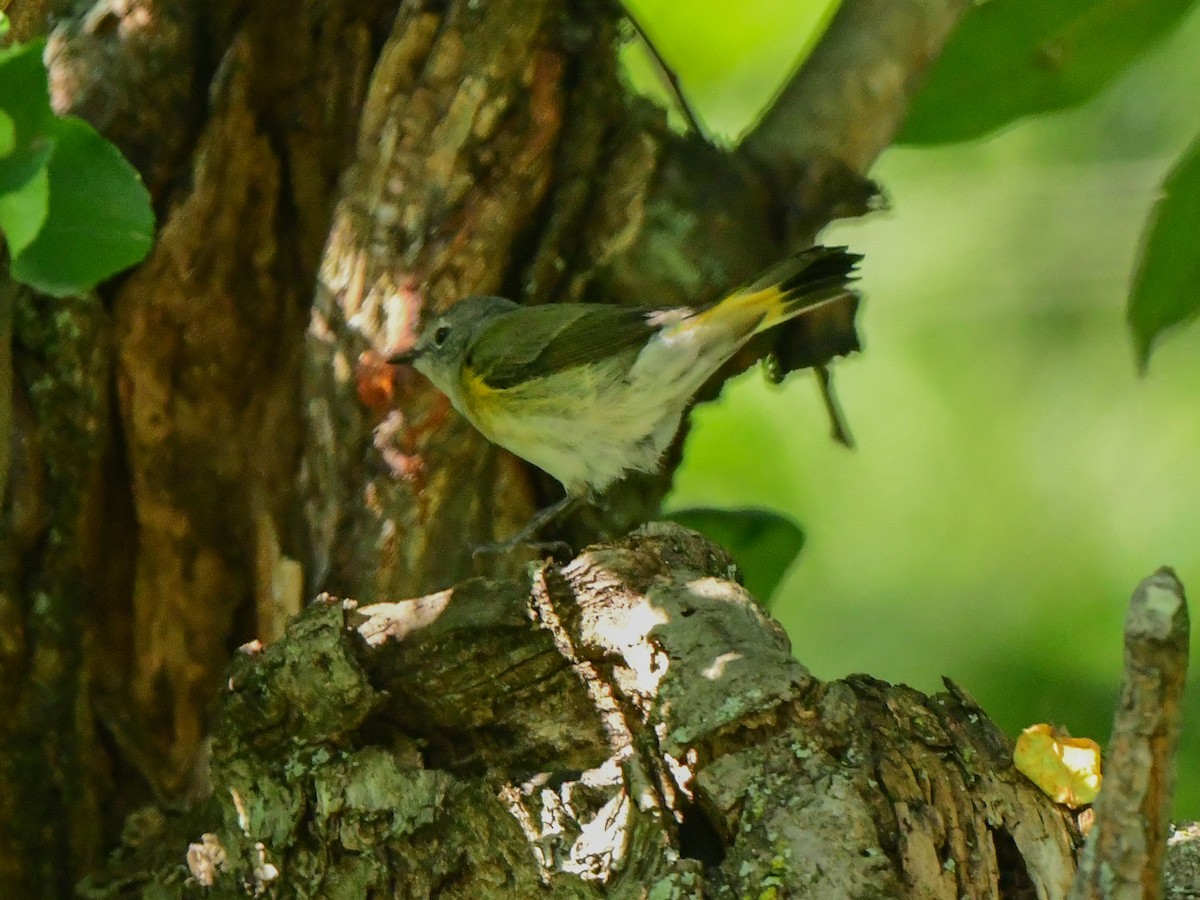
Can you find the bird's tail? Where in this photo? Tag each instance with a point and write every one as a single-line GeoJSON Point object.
{"type": "Point", "coordinates": [808, 279]}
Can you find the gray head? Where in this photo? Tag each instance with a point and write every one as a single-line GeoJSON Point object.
{"type": "Point", "coordinates": [442, 346]}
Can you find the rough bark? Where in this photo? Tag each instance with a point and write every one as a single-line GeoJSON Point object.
{"type": "Point", "coordinates": [62, 566]}
{"type": "Point", "coordinates": [156, 429]}
{"type": "Point", "coordinates": [628, 724]}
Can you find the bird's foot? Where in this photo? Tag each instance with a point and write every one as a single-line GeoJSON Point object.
{"type": "Point", "coordinates": [526, 536]}
{"type": "Point", "coordinates": [550, 548]}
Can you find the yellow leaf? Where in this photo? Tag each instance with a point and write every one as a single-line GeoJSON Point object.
{"type": "Point", "coordinates": [1066, 769]}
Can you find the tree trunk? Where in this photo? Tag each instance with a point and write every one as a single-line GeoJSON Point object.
{"type": "Point", "coordinates": [212, 439]}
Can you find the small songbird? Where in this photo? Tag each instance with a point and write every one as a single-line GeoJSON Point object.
{"type": "Point", "coordinates": [588, 391]}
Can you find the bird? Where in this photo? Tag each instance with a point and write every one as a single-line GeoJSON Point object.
{"type": "Point", "coordinates": [589, 392]}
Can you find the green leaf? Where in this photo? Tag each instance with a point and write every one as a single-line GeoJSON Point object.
{"type": "Point", "coordinates": [99, 219]}
{"type": "Point", "coordinates": [25, 100]}
{"type": "Point", "coordinates": [8, 134]}
{"type": "Point", "coordinates": [1014, 58]}
{"type": "Point", "coordinates": [1166, 287]}
{"type": "Point", "coordinates": [23, 212]}
{"type": "Point", "coordinates": [763, 543]}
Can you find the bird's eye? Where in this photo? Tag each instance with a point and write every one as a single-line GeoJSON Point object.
{"type": "Point", "coordinates": [439, 336]}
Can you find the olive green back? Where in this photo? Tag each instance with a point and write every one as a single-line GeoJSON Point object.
{"type": "Point", "coordinates": [538, 341]}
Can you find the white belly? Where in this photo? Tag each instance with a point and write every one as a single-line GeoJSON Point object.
{"type": "Point", "coordinates": [588, 428]}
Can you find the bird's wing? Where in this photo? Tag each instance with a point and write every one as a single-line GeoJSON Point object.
{"type": "Point", "coordinates": [537, 341]}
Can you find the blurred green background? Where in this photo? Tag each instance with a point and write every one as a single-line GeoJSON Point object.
{"type": "Point", "coordinates": [1014, 478]}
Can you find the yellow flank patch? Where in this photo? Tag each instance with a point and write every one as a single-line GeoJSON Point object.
{"type": "Point", "coordinates": [479, 396]}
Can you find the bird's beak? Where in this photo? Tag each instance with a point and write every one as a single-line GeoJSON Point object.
{"type": "Point", "coordinates": [407, 358]}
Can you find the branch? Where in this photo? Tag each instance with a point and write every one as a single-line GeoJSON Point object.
{"type": "Point", "coordinates": [847, 101]}
{"type": "Point", "coordinates": [1128, 842]}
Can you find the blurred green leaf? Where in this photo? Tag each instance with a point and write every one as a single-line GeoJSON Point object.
{"type": "Point", "coordinates": [8, 134]}
{"type": "Point", "coordinates": [99, 219]}
{"type": "Point", "coordinates": [763, 543]}
{"type": "Point", "coordinates": [25, 100]}
{"type": "Point", "coordinates": [1165, 290]}
{"type": "Point", "coordinates": [730, 60]}
{"type": "Point", "coordinates": [23, 212]}
{"type": "Point", "coordinates": [1014, 58]}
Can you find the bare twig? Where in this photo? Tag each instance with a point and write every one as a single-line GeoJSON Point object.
{"type": "Point", "coordinates": [668, 73]}
{"type": "Point", "coordinates": [1127, 844]}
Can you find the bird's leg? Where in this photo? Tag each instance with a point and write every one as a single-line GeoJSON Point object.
{"type": "Point", "coordinates": [525, 537]}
